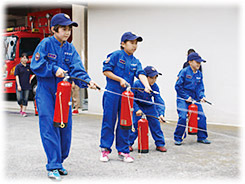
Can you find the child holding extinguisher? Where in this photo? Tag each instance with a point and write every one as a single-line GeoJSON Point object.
{"type": "Point", "coordinates": [53, 58]}
{"type": "Point", "coordinates": [120, 68]}
{"type": "Point", "coordinates": [189, 87]}
{"type": "Point", "coordinates": [149, 109]}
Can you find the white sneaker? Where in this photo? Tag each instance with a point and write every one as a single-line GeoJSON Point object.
{"type": "Point", "coordinates": [104, 156]}
{"type": "Point", "coordinates": [125, 157]}
{"type": "Point", "coordinates": [54, 174]}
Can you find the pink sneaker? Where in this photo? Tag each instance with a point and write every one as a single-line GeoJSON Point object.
{"type": "Point", "coordinates": [104, 156]}
{"type": "Point", "coordinates": [125, 157]}
{"type": "Point", "coordinates": [24, 114]}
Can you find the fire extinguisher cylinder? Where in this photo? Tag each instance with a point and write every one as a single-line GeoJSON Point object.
{"type": "Point", "coordinates": [62, 105]}
{"type": "Point", "coordinates": [143, 135]}
{"type": "Point", "coordinates": [192, 119]}
{"type": "Point", "coordinates": [126, 115]}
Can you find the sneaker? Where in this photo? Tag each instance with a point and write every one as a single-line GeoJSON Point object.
{"type": "Point", "coordinates": [24, 114]}
{"type": "Point", "coordinates": [63, 172]}
{"type": "Point", "coordinates": [178, 143]}
{"type": "Point", "coordinates": [104, 155]}
{"type": "Point", "coordinates": [125, 157]}
{"type": "Point", "coordinates": [75, 112]}
{"type": "Point", "coordinates": [131, 149]}
{"type": "Point", "coordinates": [205, 141]}
{"type": "Point", "coordinates": [161, 148]}
{"type": "Point", "coordinates": [54, 174]}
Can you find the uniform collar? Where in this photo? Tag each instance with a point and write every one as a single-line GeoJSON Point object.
{"type": "Point", "coordinates": [56, 41]}
{"type": "Point", "coordinates": [189, 67]}
{"type": "Point", "coordinates": [127, 56]}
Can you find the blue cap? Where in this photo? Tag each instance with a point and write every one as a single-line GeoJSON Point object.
{"type": "Point", "coordinates": [62, 19]}
{"type": "Point", "coordinates": [131, 36]}
{"type": "Point", "coordinates": [195, 56]}
{"type": "Point", "coordinates": [151, 71]}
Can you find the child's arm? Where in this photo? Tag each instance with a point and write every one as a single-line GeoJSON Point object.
{"type": "Point", "coordinates": [158, 99]}
{"type": "Point", "coordinates": [76, 69]}
{"type": "Point", "coordinates": [112, 76]}
{"type": "Point", "coordinates": [200, 91]}
{"type": "Point", "coordinates": [179, 87]}
{"type": "Point", "coordinates": [145, 82]}
{"type": "Point", "coordinates": [39, 65]}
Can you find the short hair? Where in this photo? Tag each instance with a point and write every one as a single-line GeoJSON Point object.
{"type": "Point", "coordinates": [24, 54]}
{"type": "Point", "coordinates": [56, 27]}
{"type": "Point", "coordinates": [122, 46]}
{"type": "Point", "coordinates": [190, 51]}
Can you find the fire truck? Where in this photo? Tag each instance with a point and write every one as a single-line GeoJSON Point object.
{"type": "Point", "coordinates": [25, 39]}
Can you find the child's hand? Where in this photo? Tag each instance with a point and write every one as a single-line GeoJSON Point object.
{"type": "Point", "coordinates": [148, 89]}
{"type": "Point", "coordinates": [60, 73]}
{"type": "Point", "coordinates": [92, 85]}
{"type": "Point", "coordinates": [189, 99]}
{"type": "Point", "coordinates": [203, 99]}
{"type": "Point", "coordinates": [123, 83]}
{"type": "Point", "coordinates": [139, 113]}
{"type": "Point", "coordinates": [162, 119]}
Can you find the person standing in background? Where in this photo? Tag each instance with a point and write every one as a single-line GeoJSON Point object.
{"type": "Point", "coordinates": [23, 83]}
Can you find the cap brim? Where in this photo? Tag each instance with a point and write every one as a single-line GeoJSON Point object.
{"type": "Point", "coordinates": [200, 60]}
{"type": "Point", "coordinates": [139, 39]}
{"type": "Point", "coordinates": [154, 74]}
{"type": "Point", "coordinates": [68, 23]}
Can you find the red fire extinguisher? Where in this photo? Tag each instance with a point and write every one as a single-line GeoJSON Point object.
{"type": "Point", "coordinates": [192, 116]}
{"type": "Point", "coordinates": [62, 104]}
{"type": "Point", "coordinates": [143, 135]}
{"type": "Point", "coordinates": [127, 102]}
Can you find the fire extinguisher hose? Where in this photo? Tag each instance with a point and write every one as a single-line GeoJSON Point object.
{"type": "Point", "coordinates": [76, 78]}
{"type": "Point", "coordinates": [181, 109]}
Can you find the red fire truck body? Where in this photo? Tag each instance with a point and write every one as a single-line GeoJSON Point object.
{"type": "Point", "coordinates": [24, 40]}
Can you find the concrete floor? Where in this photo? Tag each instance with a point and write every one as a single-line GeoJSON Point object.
{"type": "Point", "coordinates": [25, 158]}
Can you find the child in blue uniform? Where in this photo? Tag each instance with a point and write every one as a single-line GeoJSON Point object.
{"type": "Point", "coordinates": [149, 109]}
{"type": "Point", "coordinates": [54, 57]}
{"type": "Point", "coordinates": [189, 86]}
{"type": "Point", "coordinates": [120, 68]}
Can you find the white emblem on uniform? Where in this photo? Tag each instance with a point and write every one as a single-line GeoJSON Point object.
{"type": "Point", "coordinates": [37, 56]}
{"type": "Point", "coordinates": [108, 59]}
{"type": "Point", "coordinates": [67, 16]}
{"type": "Point", "coordinates": [153, 69]}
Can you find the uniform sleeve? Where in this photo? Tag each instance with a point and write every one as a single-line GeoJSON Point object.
{"type": "Point", "coordinates": [77, 69]}
{"type": "Point", "coordinates": [139, 70]}
{"type": "Point", "coordinates": [39, 63]}
{"type": "Point", "coordinates": [200, 91]}
{"type": "Point", "coordinates": [179, 85]}
{"type": "Point", "coordinates": [110, 62]}
{"type": "Point", "coordinates": [158, 99]}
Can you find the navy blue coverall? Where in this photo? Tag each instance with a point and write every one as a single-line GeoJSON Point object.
{"type": "Point", "coordinates": [148, 109]}
{"type": "Point", "coordinates": [47, 58]}
{"type": "Point", "coordinates": [189, 84]}
{"type": "Point", "coordinates": [127, 67]}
